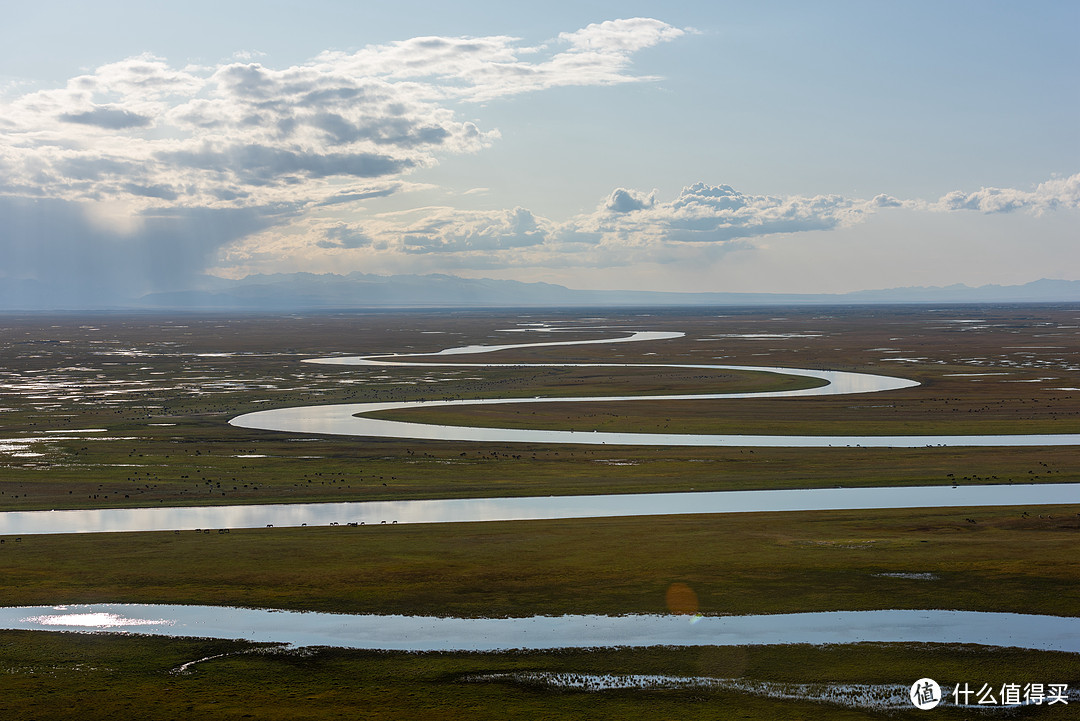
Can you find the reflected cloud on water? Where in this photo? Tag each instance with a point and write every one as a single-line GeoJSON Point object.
{"type": "Point", "coordinates": [430, 633]}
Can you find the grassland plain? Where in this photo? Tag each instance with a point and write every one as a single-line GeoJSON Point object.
{"type": "Point", "coordinates": [163, 389]}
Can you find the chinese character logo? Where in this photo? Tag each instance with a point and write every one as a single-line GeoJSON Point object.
{"type": "Point", "coordinates": [925, 694]}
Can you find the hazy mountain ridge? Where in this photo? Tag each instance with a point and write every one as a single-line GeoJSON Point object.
{"type": "Point", "coordinates": [306, 291]}
{"type": "Point", "coordinates": [359, 289]}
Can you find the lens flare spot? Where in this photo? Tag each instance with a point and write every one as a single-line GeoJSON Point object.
{"type": "Point", "coordinates": [681, 599]}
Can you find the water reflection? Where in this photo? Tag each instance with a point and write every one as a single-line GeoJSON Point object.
{"type": "Point", "coordinates": [428, 633]}
{"type": "Point", "coordinates": [214, 519]}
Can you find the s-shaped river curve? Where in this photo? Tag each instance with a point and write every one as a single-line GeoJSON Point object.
{"type": "Point", "coordinates": [351, 419]}
{"type": "Point", "coordinates": [836, 627]}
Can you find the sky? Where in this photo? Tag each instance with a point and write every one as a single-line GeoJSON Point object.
{"type": "Point", "coordinates": [695, 146]}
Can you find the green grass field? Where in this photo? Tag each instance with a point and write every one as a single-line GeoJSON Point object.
{"type": "Point", "coordinates": [51, 676]}
{"type": "Point", "coordinates": [999, 560]}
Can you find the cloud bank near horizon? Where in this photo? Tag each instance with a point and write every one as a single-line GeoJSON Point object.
{"type": "Point", "coordinates": [627, 227]}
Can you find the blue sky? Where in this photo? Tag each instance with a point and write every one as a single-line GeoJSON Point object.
{"type": "Point", "coordinates": [802, 147]}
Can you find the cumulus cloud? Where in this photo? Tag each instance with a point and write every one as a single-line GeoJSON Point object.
{"type": "Point", "coordinates": [479, 69]}
{"type": "Point", "coordinates": [242, 134]}
{"type": "Point", "coordinates": [143, 149]}
{"type": "Point", "coordinates": [1053, 194]}
{"type": "Point", "coordinates": [704, 213]}
{"type": "Point", "coordinates": [108, 118]}
{"type": "Point", "coordinates": [157, 170]}
{"type": "Point", "coordinates": [621, 36]}
{"type": "Point", "coordinates": [628, 227]}
{"type": "Point", "coordinates": [886, 201]}
{"type": "Point", "coordinates": [622, 200]}
{"type": "Point", "coordinates": [434, 238]}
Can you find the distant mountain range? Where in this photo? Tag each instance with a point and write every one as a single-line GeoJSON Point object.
{"type": "Point", "coordinates": [308, 291]}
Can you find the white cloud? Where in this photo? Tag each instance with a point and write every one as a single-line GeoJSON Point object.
{"type": "Point", "coordinates": [629, 227]}
{"type": "Point", "coordinates": [710, 214]}
{"type": "Point", "coordinates": [621, 36]}
{"type": "Point", "coordinates": [622, 200]}
{"type": "Point", "coordinates": [480, 69]}
{"type": "Point", "coordinates": [241, 134]}
{"type": "Point", "coordinates": [489, 238]}
{"type": "Point", "coordinates": [1053, 194]}
{"type": "Point", "coordinates": [279, 157]}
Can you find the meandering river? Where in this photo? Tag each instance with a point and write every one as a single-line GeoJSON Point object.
{"type": "Point", "coordinates": [351, 419]}
{"type": "Point", "coordinates": [429, 633]}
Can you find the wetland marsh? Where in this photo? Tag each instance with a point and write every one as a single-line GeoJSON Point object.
{"type": "Point", "coordinates": [133, 412]}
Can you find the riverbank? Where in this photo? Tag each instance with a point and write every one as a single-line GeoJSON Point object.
{"type": "Point", "coordinates": [54, 677]}
{"type": "Point", "coordinates": [133, 411]}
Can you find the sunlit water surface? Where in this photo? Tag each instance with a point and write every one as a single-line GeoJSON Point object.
{"type": "Point", "coordinates": [418, 633]}
{"type": "Point", "coordinates": [464, 510]}
{"type": "Point", "coordinates": [429, 633]}
{"type": "Point", "coordinates": [350, 418]}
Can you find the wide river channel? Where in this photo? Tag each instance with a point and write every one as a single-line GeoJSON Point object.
{"type": "Point", "coordinates": [431, 633]}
